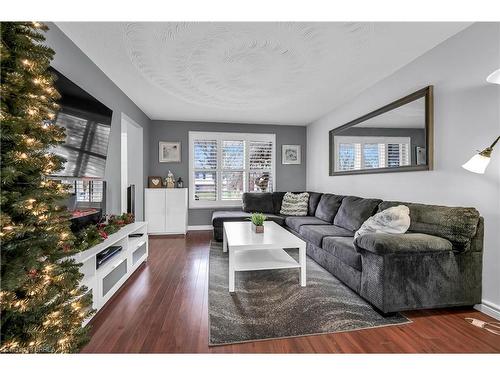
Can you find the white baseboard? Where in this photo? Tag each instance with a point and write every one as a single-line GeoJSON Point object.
{"type": "Point", "coordinates": [489, 309]}
{"type": "Point", "coordinates": [200, 227]}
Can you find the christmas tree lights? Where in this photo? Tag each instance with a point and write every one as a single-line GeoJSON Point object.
{"type": "Point", "coordinates": [42, 304]}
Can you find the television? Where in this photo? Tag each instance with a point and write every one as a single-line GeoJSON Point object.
{"type": "Point", "coordinates": [88, 125]}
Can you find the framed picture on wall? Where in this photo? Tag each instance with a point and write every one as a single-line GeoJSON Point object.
{"type": "Point", "coordinates": [290, 154]}
{"type": "Point", "coordinates": [170, 152]}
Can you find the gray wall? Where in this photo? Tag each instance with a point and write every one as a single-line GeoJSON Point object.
{"type": "Point", "coordinates": [76, 66]}
{"type": "Point", "coordinates": [466, 119]}
{"type": "Point", "coordinates": [288, 177]}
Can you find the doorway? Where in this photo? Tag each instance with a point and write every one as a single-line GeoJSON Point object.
{"type": "Point", "coordinates": [132, 156]}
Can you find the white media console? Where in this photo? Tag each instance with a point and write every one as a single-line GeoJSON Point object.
{"type": "Point", "coordinates": [104, 281]}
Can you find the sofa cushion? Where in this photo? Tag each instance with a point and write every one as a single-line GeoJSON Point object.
{"type": "Point", "coordinates": [278, 219]}
{"type": "Point", "coordinates": [343, 249]}
{"type": "Point", "coordinates": [277, 201]}
{"type": "Point", "coordinates": [383, 243]}
{"type": "Point", "coordinates": [328, 206]}
{"type": "Point", "coordinates": [258, 202]}
{"type": "Point", "coordinates": [354, 211]}
{"type": "Point", "coordinates": [313, 202]}
{"type": "Point", "coordinates": [295, 222]}
{"type": "Point", "coordinates": [456, 224]}
{"type": "Point", "coordinates": [316, 233]}
{"type": "Point", "coordinates": [295, 204]}
{"type": "Point", "coordinates": [219, 217]}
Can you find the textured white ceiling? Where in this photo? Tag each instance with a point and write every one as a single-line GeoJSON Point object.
{"type": "Point", "coordinates": [272, 73]}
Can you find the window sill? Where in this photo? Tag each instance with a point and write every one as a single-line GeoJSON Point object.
{"type": "Point", "coordinates": [214, 205]}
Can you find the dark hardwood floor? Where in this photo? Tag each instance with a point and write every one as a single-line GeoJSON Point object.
{"type": "Point", "coordinates": [162, 308]}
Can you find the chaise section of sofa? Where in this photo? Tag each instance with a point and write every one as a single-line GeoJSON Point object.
{"type": "Point", "coordinates": [266, 203]}
{"type": "Point", "coordinates": [219, 217]}
{"type": "Point", "coordinates": [440, 268]}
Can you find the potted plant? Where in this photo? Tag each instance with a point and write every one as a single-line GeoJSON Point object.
{"type": "Point", "coordinates": [258, 222]}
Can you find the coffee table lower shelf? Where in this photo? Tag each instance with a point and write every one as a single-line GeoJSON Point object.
{"type": "Point", "coordinates": [252, 260]}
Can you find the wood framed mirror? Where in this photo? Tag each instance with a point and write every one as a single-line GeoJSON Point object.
{"type": "Point", "coordinates": [395, 138]}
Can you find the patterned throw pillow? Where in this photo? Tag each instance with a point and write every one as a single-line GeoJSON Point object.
{"type": "Point", "coordinates": [295, 204]}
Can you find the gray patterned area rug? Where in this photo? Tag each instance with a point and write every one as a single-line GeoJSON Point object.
{"type": "Point", "coordinates": [271, 304]}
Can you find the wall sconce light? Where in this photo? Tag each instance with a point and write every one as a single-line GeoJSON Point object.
{"type": "Point", "coordinates": [494, 77]}
{"type": "Point", "coordinates": [480, 161]}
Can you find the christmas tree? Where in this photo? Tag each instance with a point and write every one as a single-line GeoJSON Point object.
{"type": "Point", "coordinates": [42, 304]}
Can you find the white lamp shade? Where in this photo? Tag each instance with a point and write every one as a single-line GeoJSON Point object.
{"type": "Point", "coordinates": [477, 164]}
{"type": "Point", "coordinates": [494, 77]}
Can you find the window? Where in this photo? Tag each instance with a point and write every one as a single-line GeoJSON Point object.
{"type": "Point", "coordinates": [356, 152]}
{"type": "Point", "coordinates": [222, 166]}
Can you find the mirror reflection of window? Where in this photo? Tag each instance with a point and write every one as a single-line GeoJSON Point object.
{"type": "Point", "coordinates": [357, 153]}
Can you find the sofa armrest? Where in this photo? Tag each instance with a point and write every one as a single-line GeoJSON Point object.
{"type": "Point", "coordinates": [411, 243]}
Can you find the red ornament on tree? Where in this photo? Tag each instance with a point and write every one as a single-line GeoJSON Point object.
{"type": "Point", "coordinates": [103, 234]}
{"type": "Point", "coordinates": [32, 273]}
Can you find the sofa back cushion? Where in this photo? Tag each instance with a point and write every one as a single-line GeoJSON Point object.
{"type": "Point", "coordinates": [456, 224]}
{"type": "Point", "coordinates": [295, 204]}
{"type": "Point", "coordinates": [277, 201]}
{"type": "Point", "coordinates": [258, 202]}
{"type": "Point", "coordinates": [313, 202]}
{"type": "Point", "coordinates": [354, 211]}
{"type": "Point", "coordinates": [328, 206]}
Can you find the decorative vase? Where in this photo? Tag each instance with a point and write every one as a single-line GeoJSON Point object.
{"type": "Point", "coordinates": [258, 228]}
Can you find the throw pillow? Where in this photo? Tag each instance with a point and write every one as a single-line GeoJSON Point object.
{"type": "Point", "coordinates": [392, 220]}
{"type": "Point", "coordinates": [295, 204]}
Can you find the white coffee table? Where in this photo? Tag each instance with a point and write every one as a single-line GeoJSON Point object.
{"type": "Point", "coordinates": [250, 251]}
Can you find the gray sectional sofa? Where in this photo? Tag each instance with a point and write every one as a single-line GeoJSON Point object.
{"type": "Point", "coordinates": [437, 263]}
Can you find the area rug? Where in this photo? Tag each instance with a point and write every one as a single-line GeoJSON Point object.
{"type": "Point", "coordinates": [271, 304]}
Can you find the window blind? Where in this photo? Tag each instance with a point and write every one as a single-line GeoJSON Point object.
{"type": "Point", "coordinates": [205, 164]}
{"type": "Point", "coordinates": [233, 164]}
{"type": "Point", "coordinates": [260, 164]}
{"type": "Point", "coordinates": [205, 154]}
{"type": "Point", "coordinates": [260, 155]}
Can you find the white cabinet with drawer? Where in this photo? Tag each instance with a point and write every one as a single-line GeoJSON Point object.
{"type": "Point", "coordinates": [104, 278]}
{"type": "Point", "coordinates": [166, 210]}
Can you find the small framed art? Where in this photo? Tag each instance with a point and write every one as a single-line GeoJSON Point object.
{"type": "Point", "coordinates": [290, 154]}
{"type": "Point", "coordinates": [169, 152]}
